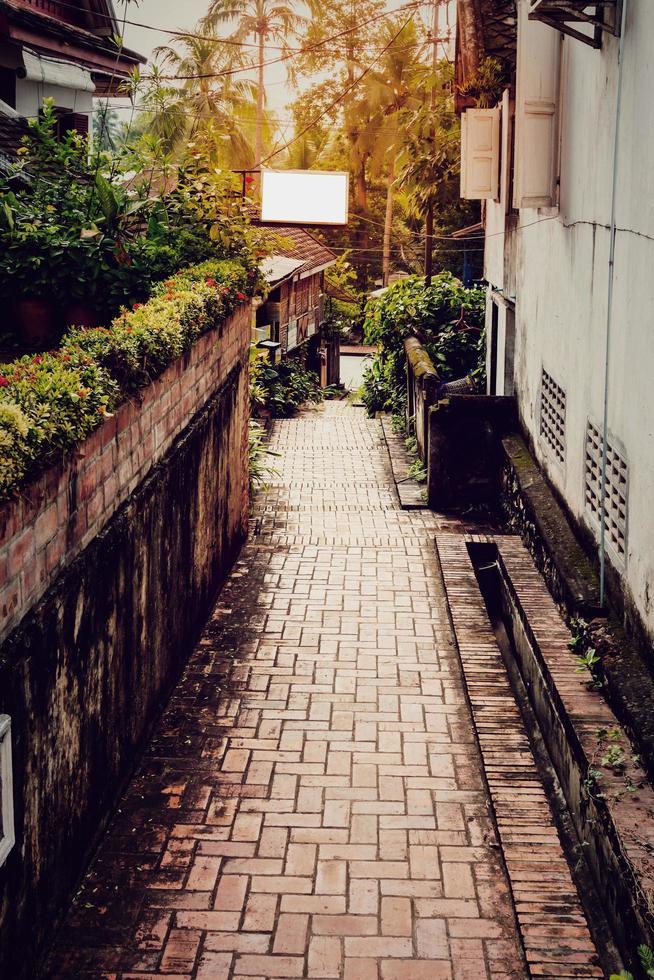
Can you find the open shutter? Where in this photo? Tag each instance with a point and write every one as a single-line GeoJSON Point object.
{"type": "Point", "coordinates": [536, 114]}
{"type": "Point", "coordinates": [480, 154]}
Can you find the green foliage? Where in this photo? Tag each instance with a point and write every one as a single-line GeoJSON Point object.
{"type": "Point", "coordinates": [446, 317]}
{"type": "Point", "coordinates": [142, 342]}
{"type": "Point", "coordinates": [72, 228]}
{"type": "Point", "coordinates": [261, 467]}
{"type": "Point", "coordinates": [487, 83]}
{"type": "Point", "coordinates": [283, 388]}
{"type": "Point", "coordinates": [646, 958]}
{"type": "Point", "coordinates": [588, 660]}
{"type": "Point", "coordinates": [382, 391]}
{"type": "Point", "coordinates": [49, 402]}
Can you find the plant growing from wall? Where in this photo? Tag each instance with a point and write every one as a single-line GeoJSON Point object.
{"type": "Point", "coordinates": [486, 84]}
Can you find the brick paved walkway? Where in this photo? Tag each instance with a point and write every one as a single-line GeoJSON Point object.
{"type": "Point", "coordinates": [311, 804]}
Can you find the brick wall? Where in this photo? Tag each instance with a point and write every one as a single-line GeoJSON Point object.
{"type": "Point", "coordinates": [116, 558]}
{"type": "Point", "coordinates": [59, 514]}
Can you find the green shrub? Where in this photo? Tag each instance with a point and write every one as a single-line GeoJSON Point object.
{"type": "Point", "coordinates": [49, 402]}
{"type": "Point", "coordinates": [448, 319]}
{"type": "Point", "coordinates": [283, 388]}
{"type": "Point", "coordinates": [76, 225]}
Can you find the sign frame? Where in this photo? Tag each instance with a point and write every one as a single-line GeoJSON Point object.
{"type": "Point", "coordinates": [302, 222]}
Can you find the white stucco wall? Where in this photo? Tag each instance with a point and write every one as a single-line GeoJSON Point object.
{"type": "Point", "coordinates": [30, 96]}
{"type": "Point", "coordinates": [561, 262]}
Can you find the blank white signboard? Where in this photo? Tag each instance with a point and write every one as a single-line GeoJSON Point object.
{"type": "Point", "coordinates": [306, 197]}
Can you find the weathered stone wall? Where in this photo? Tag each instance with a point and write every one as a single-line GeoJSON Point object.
{"type": "Point", "coordinates": [99, 639]}
{"type": "Point", "coordinates": [422, 384]}
{"type": "Point", "coordinates": [464, 449]}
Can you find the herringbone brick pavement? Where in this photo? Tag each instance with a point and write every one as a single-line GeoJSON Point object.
{"type": "Point", "coordinates": [311, 804]}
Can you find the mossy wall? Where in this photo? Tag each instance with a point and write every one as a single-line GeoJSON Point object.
{"type": "Point", "coordinates": [88, 669]}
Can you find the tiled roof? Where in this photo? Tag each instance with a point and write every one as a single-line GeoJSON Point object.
{"type": "Point", "coordinates": [303, 245]}
{"type": "Point", "coordinates": [12, 130]}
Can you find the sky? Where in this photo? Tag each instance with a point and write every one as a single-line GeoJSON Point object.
{"type": "Point", "coordinates": [184, 15]}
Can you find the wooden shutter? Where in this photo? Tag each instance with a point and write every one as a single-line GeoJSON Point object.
{"type": "Point", "coordinates": [480, 154]}
{"type": "Point", "coordinates": [536, 114]}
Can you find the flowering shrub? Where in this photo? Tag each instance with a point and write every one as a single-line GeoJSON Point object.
{"type": "Point", "coordinates": [76, 225]}
{"type": "Point", "coordinates": [49, 402]}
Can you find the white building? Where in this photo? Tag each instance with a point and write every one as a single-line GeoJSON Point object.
{"type": "Point", "coordinates": [60, 51]}
{"type": "Point", "coordinates": [564, 165]}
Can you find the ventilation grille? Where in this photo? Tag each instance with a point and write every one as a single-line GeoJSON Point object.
{"type": "Point", "coordinates": [615, 509]}
{"type": "Point", "coordinates": [552, 415]}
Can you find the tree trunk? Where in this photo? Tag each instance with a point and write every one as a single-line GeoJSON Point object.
{"type": "Point", "coordinates": [260, 89]}
{"type": "Point", "coordinates": [360, 188]}
{"type": "Point", "coordinates": [429, 243]}
{"type": "Point", "coordinates": [471, 45]}
{"type": "Point", "coordinates": [388, 222]}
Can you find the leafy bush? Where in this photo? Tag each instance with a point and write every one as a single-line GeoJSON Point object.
{"type": "Point", "coordinates": [283, 388]}
{"type": "Point", "coordinates": [49, 402]}
{"type": "Point", "coordinates": [261, 467]}
{"type": "Point", "coordinates": [447, 318]}
{"type": "Point", "coordinates": [77, 226]}
{"type": "Point", "coordinates": [142, 342]}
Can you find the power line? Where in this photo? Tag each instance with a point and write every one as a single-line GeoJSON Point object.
{"type": "Point", "coordinates": [339, 99]}
{"type": "Point", "coordinates": [293, 52]}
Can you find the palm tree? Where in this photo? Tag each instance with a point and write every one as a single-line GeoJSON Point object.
{"type": "Point", "coordinates": [265, 21]}
{"type": "Point", "coordinates": [208, 94]}
{"type": "Point", "coordinates": [391, 90]}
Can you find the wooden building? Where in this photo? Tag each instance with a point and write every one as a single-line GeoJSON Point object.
{"type": "Point", "coordinates": [61, 51]}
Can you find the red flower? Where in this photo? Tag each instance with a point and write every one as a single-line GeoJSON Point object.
{"type": "Point", "coordinates": [241, 296]}
{"type": "Point", "coordinates": [249, 180]}
{"type": "Point", "coordinates": [211, 282]}
{"type": "Point", "coordinates": [38, 358]}
{"type": "Point", "coordinates": [137, 306]}
{"type": "Point", "coordinates": [4, 381]}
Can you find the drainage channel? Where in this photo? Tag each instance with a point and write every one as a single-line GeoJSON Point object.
{"type": "Point", "coordinates": [561, 911]}
{"type": "Point", "coordinates": [492, 587]}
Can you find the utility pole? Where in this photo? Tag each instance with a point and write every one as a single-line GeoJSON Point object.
{"type": "Point", "coordinates": [429, 220]}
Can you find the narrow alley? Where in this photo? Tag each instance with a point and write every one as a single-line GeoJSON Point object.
{"type": "Point", "coordinates": [311, 803]}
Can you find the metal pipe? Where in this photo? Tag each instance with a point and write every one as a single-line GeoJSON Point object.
{"type": "Point", "coordinates": [609, 307]}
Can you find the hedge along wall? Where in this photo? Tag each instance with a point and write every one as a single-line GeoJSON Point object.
{"type": "Point", "coordinates": [111, 562]}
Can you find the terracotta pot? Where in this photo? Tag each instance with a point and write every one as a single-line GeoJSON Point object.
{"type": "Point", "coordinates": [81, 314]}
{"type": "Point", "coordinates": [36, 321]}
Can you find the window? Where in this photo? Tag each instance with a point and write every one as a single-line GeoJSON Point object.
{"type": "Point", "coordinates": [615, 509]}
{"type": "Point", "coordinates": [552, 415]}
{"type": "Point", "coordinates": [8, 86]}
{"type": "Point", "coordinates": [7, 838]}
{"type": "Point", "coordinates": [536, 114]}
{"type": "Point", "coordinates": [292, 335]}
{"type": "Point", "coordinates": [480, 154]}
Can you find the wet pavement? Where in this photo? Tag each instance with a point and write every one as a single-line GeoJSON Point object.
{"type": "Point", "coordinates": [311, 803]}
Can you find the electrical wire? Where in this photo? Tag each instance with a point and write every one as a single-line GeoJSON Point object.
{"type": "Point", "coordinates": [204, 37]}
{"type": "Point", "coordinates": [338, 100]}
{"type": "Point", "coordinates": [292, 53]}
